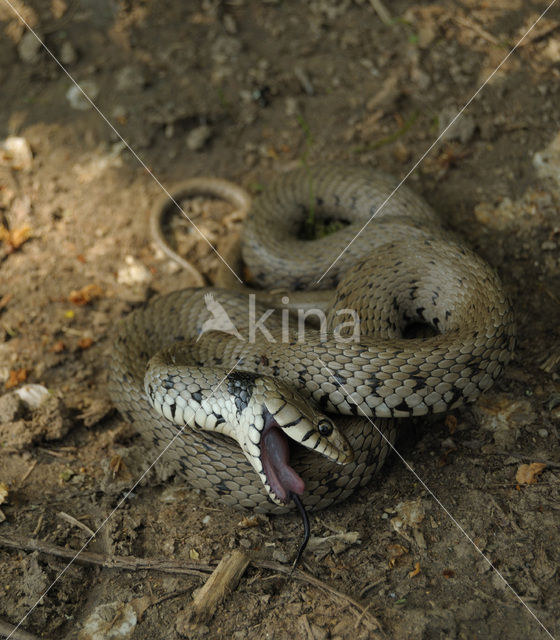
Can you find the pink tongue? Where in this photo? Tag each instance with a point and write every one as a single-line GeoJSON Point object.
{"type": "Point", "coordinates": [275, 457]}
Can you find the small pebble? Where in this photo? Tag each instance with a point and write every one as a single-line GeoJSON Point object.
{"type": "Point", "coordinates": [77, 99]}
{"type": "Point", "coordinates": [543, 433]}
{"type": "Point", "coordinates": [462, 129]}
{"type": "Point", "coordinates": [29, 47]}
{"type": "Point", "coordinates": [129, 79]}
{"type": "Point", "coordinates": [133, 273]}
{"type": "Point", "coordinates": [197, 138]}
{"type": "Point", "coordinates": [67, 54]}
{"type": "Point", "coordinates": [32, 395]}
{"type": "Point", "coordinates": [279, 556]}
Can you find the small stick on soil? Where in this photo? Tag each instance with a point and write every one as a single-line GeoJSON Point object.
{"type": "Point", "coordinates": [131, 563]}
{"type": "Point", "coordinates": [28, 472]}
{"type": "Point", "coordinates": [6, 629]}
{"type": "Point", "coordinates": [469, 24]}
{"type": "Point", "coordinates": [221, 582]}
{"type": "Point", "coordinates": [382, 12]}
{"type": "Point", "coordinates": [109, 562]}
{"type": "Point", "coordinates": [74, 522]}
{"type": "Point", "coordinates": [521, 456]}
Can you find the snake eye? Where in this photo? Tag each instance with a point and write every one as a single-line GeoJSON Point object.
{"type": "Point", "coordinates": [325, 428]}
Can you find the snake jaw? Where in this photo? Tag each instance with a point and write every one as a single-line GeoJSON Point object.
{"type": "Point", "coordinates": [318, 434]}
{"type": "Point", "coordinates": [279, 478]}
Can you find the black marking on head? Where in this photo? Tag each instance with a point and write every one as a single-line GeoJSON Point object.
{"type": "Point", "coordinates": [402, 406]}
{"type": "Point", "coordinates": [435, 297]}
{"type": "Point", "coordinates": [173, 409]}
{"type": "Point", "coordinates": [308, 435]}
{"type": "Point", "coordinates": [291, 424]}
{"type": "Point", "coordinates": [420, 311]}
{"type": "Point", "coordinates": [435, 322]}
{"type": "Point", "coordinates": [218, 361]}
{"type": "Point", "coordinates": [447, 315]}
{"type": "Point", "coordinates": [279, 409]}
{"type": "Point", "coordinates": [197, 396]}
{"type": "Point", "coordinates": [275, 370]}
{"type": "Point", "coordinates": [395, 304]}
{"type": "Point", "coordinates": [219, 418]}
{"type": "Point", "coordinates": [179, 338]}
{"type": "Point", "coordinates": [129, 416]}
{"type": "Point", "coordinates": [323, 401]}
{"type": "Point", "coordinates": [241, 385]}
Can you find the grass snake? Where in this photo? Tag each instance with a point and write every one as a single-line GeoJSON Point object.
{"type": "Point", "coordinates": [266, 414]}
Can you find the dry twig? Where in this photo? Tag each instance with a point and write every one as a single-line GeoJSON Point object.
{"type": "Point", "coordinates": [131, 563]}
{"type": "Point", "coordinates": [7, 630]}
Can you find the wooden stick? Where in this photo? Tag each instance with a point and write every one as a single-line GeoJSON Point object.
{"type": "Point", "coordinates": [8, 630]}
{"type": "Point", "coordinates": [221, 582]}
{"type": "Point", "coordinates": [131, 563]}
{"type": "Point", "coordinates": [109, 562]}
{"type": "Point", "coordinates": [382, 12]}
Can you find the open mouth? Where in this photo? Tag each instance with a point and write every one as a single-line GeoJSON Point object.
{"type": "Point", "coordinates": [275, 459]}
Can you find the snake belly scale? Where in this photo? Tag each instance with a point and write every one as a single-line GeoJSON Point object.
{"type": "Point", "coordinates": [241, 398]}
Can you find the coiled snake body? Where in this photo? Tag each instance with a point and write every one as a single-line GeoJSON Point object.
{"type": "Point", "coordinates": [264, 384]}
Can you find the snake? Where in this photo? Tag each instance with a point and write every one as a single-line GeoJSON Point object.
{"type": "Point", "coordinates": [255, 405]}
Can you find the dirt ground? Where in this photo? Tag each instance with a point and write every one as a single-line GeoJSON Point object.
{"type": "Point", "coordinates": [245, 90]}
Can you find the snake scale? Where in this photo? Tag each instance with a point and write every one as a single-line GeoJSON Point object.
{"type": "Point", "coordinates": [265, 412]}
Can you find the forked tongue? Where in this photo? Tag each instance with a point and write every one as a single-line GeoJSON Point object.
{"type": "Point", "coordinates": [275, 458]}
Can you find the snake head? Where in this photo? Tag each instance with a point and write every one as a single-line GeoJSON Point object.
{"type": "Point", "coordinates": [285, 415]}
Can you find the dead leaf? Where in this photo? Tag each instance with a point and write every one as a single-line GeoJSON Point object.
{"type": "Point", "coordinates": [4, 300]}
{"type": "Point", "coordinates": [451, 423]}
{"type": "Point", "coordinates": [17, 376]}
{"type": "Point", "coordinates": [85, 343]}
{"type": "Point", "coordinates": [86, 294]}
{"type": "Point", "coordinates": [527, 473]}
{"type": "Point", "coordinates": [248, 521]}
{"type": "Point", "coordinates": [16, 237]}
{"type": "Point", "coordinates": [3, 492]}
{"type": "Point", "coordinates": [118, 467]}
{"type": "Point", "coordinates": [415, 571]}
{"type": "Point", "coordinates": [396, 551]}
